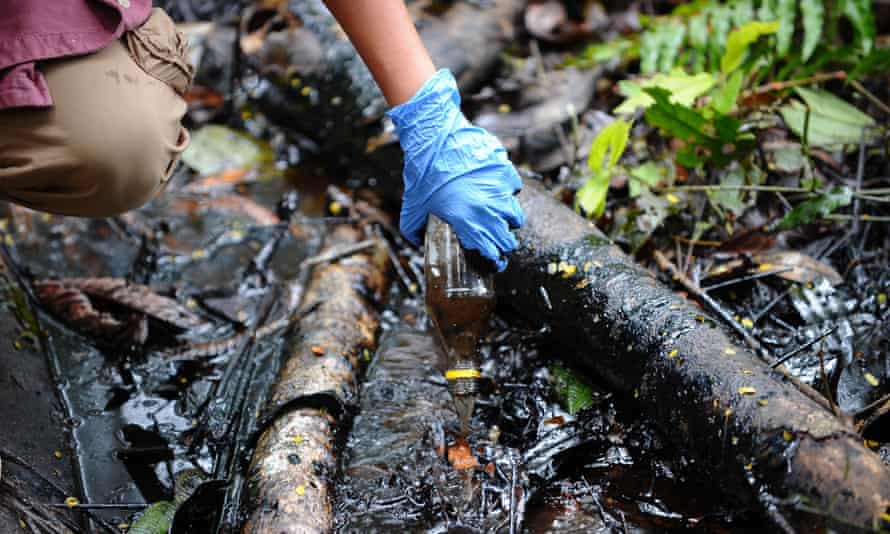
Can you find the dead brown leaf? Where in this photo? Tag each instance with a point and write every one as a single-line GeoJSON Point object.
{"type": "Point", "coordinates": [227, 179]}
{"type": "Point", "coordinates": [461, 457]}
{"type": "Point", "coordinates": [802, 268]}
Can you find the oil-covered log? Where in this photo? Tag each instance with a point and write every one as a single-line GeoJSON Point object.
{"type": "Point", "coordinates": [320, 86]}
{"type": "Point", "coordinates": [288, 477]}
{"type": "Point", "coordinates": [737, 422]}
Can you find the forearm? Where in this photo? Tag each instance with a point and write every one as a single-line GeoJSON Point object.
{"type": "Point", "coordinates": [383, 33]}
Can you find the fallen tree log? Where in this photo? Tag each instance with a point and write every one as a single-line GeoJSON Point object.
{"type": "Point", "coordinates": [288, 476]}
{"type": "Point", "coordinates": [321, 88]}
{"type": "Point", "coordinates": [736, 421]}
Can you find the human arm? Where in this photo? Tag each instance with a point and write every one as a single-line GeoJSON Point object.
{"type": "Point", "coordinates": [383, 33]}
{"type": "Point", "coordinates": [454, 170]}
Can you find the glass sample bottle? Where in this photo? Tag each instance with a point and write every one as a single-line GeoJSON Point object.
{"type": "Point", "coordinates": [460, 298]}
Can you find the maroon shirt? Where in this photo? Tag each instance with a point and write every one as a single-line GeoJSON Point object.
{"type": "Point", "coordinates": [34, 30]}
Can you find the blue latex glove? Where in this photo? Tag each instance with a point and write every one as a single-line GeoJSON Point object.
{"type": "Point", "coordinates": [456, 171]}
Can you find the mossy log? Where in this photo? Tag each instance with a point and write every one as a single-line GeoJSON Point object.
{"type": "Point", "coordinates": [294, 458]}
{"type": "Point", "coordinates": [739, 424]}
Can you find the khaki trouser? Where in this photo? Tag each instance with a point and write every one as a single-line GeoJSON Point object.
{"type": "Point", "coordinates": [113, 135]}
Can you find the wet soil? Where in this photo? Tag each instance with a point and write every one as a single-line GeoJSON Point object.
{"type": "Point", "coordinates": [125, 418]}
{"type": "Point", "coordinates": [533, 466]}
{"type": "Point", "coordinates": [128, 418]}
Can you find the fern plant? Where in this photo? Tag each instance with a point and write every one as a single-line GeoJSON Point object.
{"type": "Point", "coordinates": [694, 35]}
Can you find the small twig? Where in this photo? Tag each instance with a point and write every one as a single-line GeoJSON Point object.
{"type": "Point", "coordinates": [86, 506]}
{"type": "Point", "coordinates": [404, 279]}
{"type": "Point", "coordinates": [737, 187]}
{"type": "Point", "coordinates": [860, 170]}
{"type": "Point", "coordinates": [865, 217]}
{"type": "Point", "coordinates": [870, 96]}
{"type": "Point", "coordinates": [747, 278]}
{"type": "Point", "coordinates": [784, 358]}
{"type": "Point", "coordinates": [365, 210]}
{"type": "Point", "coordinates": [697, 242]}
{"type": "Point", "coordinates": [757, 316]}
{"type": "Point", "coordinates": [337, 253]}
{"type": "Point", "coordinates": [864, 412]}
{"type": "Point", "coordinates": [781, 86]}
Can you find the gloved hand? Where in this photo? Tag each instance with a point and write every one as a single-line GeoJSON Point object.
{"type": "Point", "coordinates": [456, 171]}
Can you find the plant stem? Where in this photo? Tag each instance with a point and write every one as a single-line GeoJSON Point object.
{"type": "Point", "coordinates": [780, 86]}
{"type": "Point", "coordinates": [738, 187]}
{"type": "Point", "coordinates": [870, 96]}
{"type": "Point", "coordinates": [865, 217]}
{"type": "Point", "coordinates": [865, 194]}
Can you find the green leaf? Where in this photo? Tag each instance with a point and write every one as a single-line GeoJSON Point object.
{"type": "Point", "coordinates": [787, 159]}
{"type": "Point", "coordinates": [689, 9]}
{"type": "Point", "coordinates": [612, 140]}
{"type": "Point", "coordinates": [732, 200]}
{"type": "Point", "coordinates": [684, 89]}
{"type": "Point", "coordinates": [832, 107]}
{"type": "Point", "coordinates": [676, 119]}
{"type": "Point", "coordinates": [740, 39]}
{"type": "Point", "coordinates": [716, 139]}
{"type": "Point", "coordinates": [601, 52]}
{"type": "Point", "coordinates": [215, 148]}
{"type": "Point", "coordinates": [725, 97]}
{"type": "Point", "coordinates": [646, 176]}
{"type": "Point", "coordinates": [742, 12]}
{"type": "Point", "coordinates": [672, 39]}
{"type": "Point", "coordinates": [767, 10]}
{"type": "Point", "coordinates": [590, 199]}
{"type": "Point", "coordinates": [720, 25]}
{"type": "Point", "coordinates": [573, 393]}
{"type": "Point", "coordinates": [813, 13]}
{"type": "Point", "coordinates": [700, 228]}
{"type": "Point", "coordinates": [698, 38]}
{"type": "Point", "coordinates": [156, 519]}
{"type": "Point", "coordinates": [860, 14]}
{"type": "Point", "coordinates": [833, 123]}
{"type": "Point", "coordinates": [876, 61]}
{"type": "Point", "coordinates": [785, 13]}
{"type": "Point", "coordinates": [815, 208]}
{"type": "Point", "coordinates": [650, 47]}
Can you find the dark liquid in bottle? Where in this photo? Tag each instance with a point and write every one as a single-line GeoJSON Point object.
{"type": "Point", "coordinates": [460, 320]}
{"type": "Point", "coordinates": [460, 298]}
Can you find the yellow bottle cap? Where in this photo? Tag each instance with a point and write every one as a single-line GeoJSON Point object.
{"type": "Point", "coordinates": [456, 374]}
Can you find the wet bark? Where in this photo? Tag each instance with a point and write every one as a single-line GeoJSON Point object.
{"type": "Point", "coordinates": [320, 86]}
{"type": "Point", "coordinates": [739, 424]}
{"type": "Point", "coordinates": [289, 474]}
